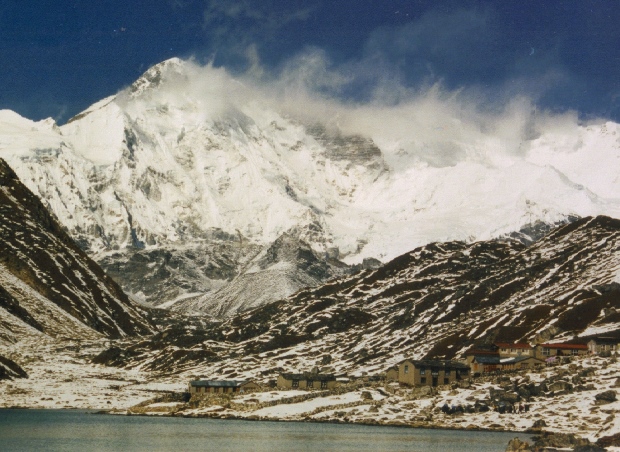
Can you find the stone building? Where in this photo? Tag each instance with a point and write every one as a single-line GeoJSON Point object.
{"type": "Point", "coordinates": [306, 380]}
{"type": "Point", "coordinates": [507, 349]}
{"type": "Point", "coordinates": [221, 386]}
{"type": "Point", "coordinates": [429, 372]}
{"type": "Point", "coordinates": [545, 351]}
{"type": "Point", "coordinates": [604, 345]}
{"type": "Point", "coordinates": [482, 364]}
{"type": "Point", "coordinates": [520, 362]}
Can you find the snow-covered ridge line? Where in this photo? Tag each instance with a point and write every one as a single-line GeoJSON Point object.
{"type": "Point", "coordinates": [190, 157]}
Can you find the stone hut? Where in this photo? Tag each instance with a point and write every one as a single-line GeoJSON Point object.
{"type": "Point", "coordinates": [482, 364]}
{"type": "Point", "coordinates": [221, 386]}
{"type": "Point", "coordinates": [306, 380]}
{"type": "Point", "coordinates": [604, 345]}
{"type": "Point", "coordinates": [507, 349]}
{"type": "Point", "coordinates": [429, 372]}
{"type": "Point", "coordinates": [521, 362]}
{"type": "Point", "coordinates": [545, 351]}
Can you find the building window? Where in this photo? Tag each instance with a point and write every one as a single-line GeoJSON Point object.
{"type": "Point", "coordinates": [310, 384]}
{"type": "Point", "coordinates": [546, 351]}
{"type": "Point", "coordinates": [422, 371]}
{"type": "Point", "coordinates": [323, 384]}
{"type": "Point", "coordinates": [446, 380]}
{"type": "Point", "coordinates": [574, 352]}
{"type": "Point", "coordinates": [406, 368]}
{"type": "Point", "coordinates": [423, 380]}
{"type": "Point", "coordinates": [295, 384]}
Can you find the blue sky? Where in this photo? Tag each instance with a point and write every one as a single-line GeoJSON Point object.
{"type": "Point", "coordinates": [59, 57]}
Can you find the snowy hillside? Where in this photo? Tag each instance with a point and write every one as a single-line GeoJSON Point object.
{"type": "Point", "coordinates": [435, 301]}
{"type": "Point", "coordinates": [189, 162]}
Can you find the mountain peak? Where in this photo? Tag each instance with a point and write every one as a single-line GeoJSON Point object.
{"type": "Point", "coordinates": [155, 75]}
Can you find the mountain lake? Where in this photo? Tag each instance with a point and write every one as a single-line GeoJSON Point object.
{"type": "Point", "coordinates": [80, 430]}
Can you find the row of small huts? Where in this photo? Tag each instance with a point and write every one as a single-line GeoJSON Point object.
{"type": "Point", "coordinates": [306, 380]}
{"type": "Point", "coordinates": [500, 356]}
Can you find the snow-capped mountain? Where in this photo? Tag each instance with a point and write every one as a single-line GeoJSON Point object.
{"type": "Point", "coordinates": [435, 301]}
{"type": "Point", "coordinates": [182, 182]}
{"type": "Point", "coordinates": [49, 286]}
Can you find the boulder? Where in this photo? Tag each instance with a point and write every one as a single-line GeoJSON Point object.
{"type": "Point", "coordinates": [587, 373]}
{"type": "Point", "coordinates": [496, 394]}
{"type": "Point", "coordinates": [422, 391]}
{"type": "Point", "coordinates": [535, 389]}
{"type": "Point", "coordinates": [523, 392]}
{"type": "Point", "coordinates": [560, 385]}
{"type": "Point", "coordinates": [516, 445]}
{"type": "Point", "coordinates": [481, 407]}
{"type": "Point", "coordinates": [539, 423]}
{"type": "Point", "coordinates": [605, 397]}
{"type": "Point", "coordinates": [511, 397]}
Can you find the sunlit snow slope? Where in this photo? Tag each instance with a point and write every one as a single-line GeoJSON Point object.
{"type": "Point", "coordinates": [188, 158]}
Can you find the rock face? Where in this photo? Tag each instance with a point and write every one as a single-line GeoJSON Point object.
{"type": "Point", "coordinates": [178, 183]}
{"type": "Point", "coordinates": [47, 283]}
{"type": "Point", "coordinates": [436, 301]}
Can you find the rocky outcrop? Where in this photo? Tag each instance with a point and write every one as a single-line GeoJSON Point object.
{"type": "Point", "coordinates": [516, 445]}
{"type": "Point", "coordinates": [559, 440]}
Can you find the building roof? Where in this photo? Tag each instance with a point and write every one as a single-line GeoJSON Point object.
{"type": "Point", "coordinates": [218, 383]}
{"type": "Point", "coordinates": [563, 346]}
{"type": "Point", "coordinates": [509, 345]}
{"type": "Point", "coordinates": [486, 359]}
{"type": "Point", "coordinates": [518, 359]}
{"type": "Point", "coordinates": [308, 376]}
{"type": "Point", "coordinates": [606, 340]}
{"type": "Point", "coordinates": [438, 363]}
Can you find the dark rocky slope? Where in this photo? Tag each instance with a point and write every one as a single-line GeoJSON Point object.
{"type": "Point", "coordinates": [47, 283]}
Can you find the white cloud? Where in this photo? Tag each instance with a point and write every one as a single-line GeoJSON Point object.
{"type": "Point", "coordinates": [438, 126]}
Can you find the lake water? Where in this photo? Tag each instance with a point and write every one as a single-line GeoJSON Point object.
{"type": "Point", "coordinates": [71, 430]}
